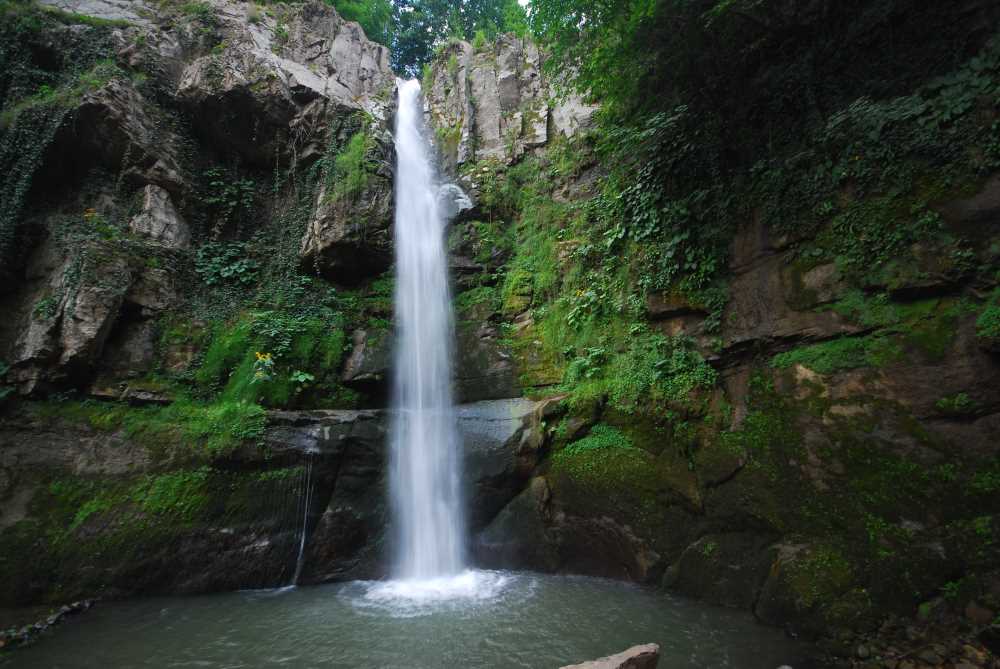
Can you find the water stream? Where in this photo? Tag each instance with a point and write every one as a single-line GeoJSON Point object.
{"type": "Point", "coordinates": [306, 497]}
{"type": "Point", "coordinates": [424, 475]}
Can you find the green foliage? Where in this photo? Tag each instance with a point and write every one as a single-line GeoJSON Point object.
{"type": "Point", "coordinates": [351, 168]}
{"type": "Point", "coordinates": [600, 437]}
{"type": "Point", "coordinates": [226, 198]}
{"type": "Point", "coordinates": [280, 34]}
{"type": "Point", "coordinates": [687, 169]}
{"type": "Point", "coordinates": [218, 263]}
{"type": "Point", "coordinates": [37, 94]}
{"type": "Point", "coordinates": [479, 41]}
{"type": "Point", "coordinates": [202, 12]}
{"type": "Point", "coordinates": [378, 18]}
{"type": "Point", "coordinates": [988, 321]}
{"type": "Point", "coordinates": [422, 26]}
{"type": "Point", "coordinates": [653, 369]}
{"type": "Point", "coordinates": [271, 357]}
{"type": "Point", "coordinates": [957, 405]}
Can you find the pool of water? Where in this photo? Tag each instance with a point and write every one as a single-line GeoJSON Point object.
{"type": "Point", "coordinates": [482, 619]}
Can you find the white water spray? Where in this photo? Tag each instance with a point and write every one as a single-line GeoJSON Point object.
{"type": "Point", "coordinates": [425, 477]}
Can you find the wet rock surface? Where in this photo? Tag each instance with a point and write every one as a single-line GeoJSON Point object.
{"type": "Point", "coordinates": [14, 637]}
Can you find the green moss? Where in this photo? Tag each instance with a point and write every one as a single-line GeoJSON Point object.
{"type": "Point", "coordinates": [184, 428]}
{"type": "Point", "coordinates": [605, 471]}
{"type": "Point", "coordinates": [988, 320]}
{"type": "Point", "coordinates": [84, 535]}
{"type": "Point", "coordinates": [182, 493]}
{"type": "Point", "coordinates": [228, 347]}
{"type": "Point", "coordinates": [842, 354]}
{"type": "Point", "coordinates": [485, 297]}
{"type": "Point", "coordinates": [820, 576]}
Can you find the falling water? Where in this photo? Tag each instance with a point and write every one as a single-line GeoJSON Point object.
{"type": "Point", "coordinates": [306, 504]}
{"type": "Point", "coordinates": [425, 469]}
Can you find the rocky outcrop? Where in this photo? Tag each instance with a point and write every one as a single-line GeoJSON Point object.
{"type": "Point", "coordinates": [245, 521]}
{"type": "Point", "coordinates": [160, 221]}
{"type": "Point", "coordinates": [646, 656]}
{"type": "Point", "coordinates": [117, 128]}
{"type": "Point", "coordinates": [74, 314]}
{"type": "Point", "coordinates": [275, 83]}
{"type": "Point", "coordinates": [494, 103]}
{"type": "Point", "coordinates": [349, 237]}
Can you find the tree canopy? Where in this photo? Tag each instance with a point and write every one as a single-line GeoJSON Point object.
{"type": "Point", "coordinates": [412, 29]}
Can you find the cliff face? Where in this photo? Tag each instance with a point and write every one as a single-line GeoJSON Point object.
{"type": "Point", "coordinates": [131, 154]}
{"type": "Point", "coordinates": [496, 103]}
{"type": "Point", "coordinates": [193, 189]}
{"type": "Point", "coordinates": [808, 438]}
{"type": "Point", "coordinates": [196, 239]}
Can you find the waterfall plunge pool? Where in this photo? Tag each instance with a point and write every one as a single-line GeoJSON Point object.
{"type": "Point", "coordinates": [497, 620]}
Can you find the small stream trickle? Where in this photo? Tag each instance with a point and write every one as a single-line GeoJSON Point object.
{"type": "Point", "coordinates": [306, 497]}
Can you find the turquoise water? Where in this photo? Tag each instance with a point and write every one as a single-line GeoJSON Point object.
{"type": "Point", "coordinates": [508, 620]}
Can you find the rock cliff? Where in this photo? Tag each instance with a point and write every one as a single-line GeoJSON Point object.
{"type": "Point", "coordinates": [821, 449]}
{"type": "Point", "coordinates": [196, 242]}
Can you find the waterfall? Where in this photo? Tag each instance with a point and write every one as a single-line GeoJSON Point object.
{"type": "Point", "coordinates": [424, 476]}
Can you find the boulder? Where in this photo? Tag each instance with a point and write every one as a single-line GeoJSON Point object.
{"type": "Point", "coordinates": [367, 366]}
{"type": "Point", "coordinates": [726, 569]}
{"type": "Point", "coordinates": [62, 342]}
{"type": "Point", "coordinates": [501, 447]}
{"type": "Point", "coordinates": [160, 221]}
{"type": "Point", "coordinates": [518, 536]}
{"type": "Point", "coordinates": [646, 656]}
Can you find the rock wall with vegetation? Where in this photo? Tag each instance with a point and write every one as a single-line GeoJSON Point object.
{"type": "Point", "coordinates": [738, 338]}
{"type": "Point", "coordinates": [774, 350]}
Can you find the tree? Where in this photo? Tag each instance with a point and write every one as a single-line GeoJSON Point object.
{"type": "Point", "coordinates": [378, 18]}
{"type": "Point", "coordinates": [425, 24]}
